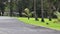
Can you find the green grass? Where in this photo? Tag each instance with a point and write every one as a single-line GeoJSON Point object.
{"type": "Point", "coordinates": [32, 21]}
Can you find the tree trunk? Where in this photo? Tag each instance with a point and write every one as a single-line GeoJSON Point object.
{"type": "Point", "coordinates": [36, 18]}
{"type": "Point", "coordinates": [42, 20]}
{"type": "Point", "coordinates": [50, 11]}
{"type": "Point", "coordinates": [50, 18]}
{"type": "Point", "coordinates": [2, 12]}
{"type": "Point", "coordinates": [19, 7]}
{"type": "Point", "coordinates": [11, 8]}
{"type": "Point", "coordinates": [42, 11]}
{"type": "Point", "coordinates": [2, 7]}
{"type": "Point", "coordinates": [20, 12]}
{"type": "Point", "coordinates": [28, 17]}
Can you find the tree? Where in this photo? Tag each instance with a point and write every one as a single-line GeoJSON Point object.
{"type": "Point", "coordinates": [27, 13]}
{"type": "Point", "coordinates": [42, 11]}
{"type": "Point", "coordinates": [20, 7]}
{"type": "Point", "coordinates": [2, 7]}
{"type": "Point", "coordinates": [36, 18]}
{"type": "Point", "coordinates": [11, 7]}
{"type": "Point", "coordinates": [58, 17]}
{"type": "Point", "coordinates": [40, 7]}
{"type": "Point", "coordinates": [51, 8]}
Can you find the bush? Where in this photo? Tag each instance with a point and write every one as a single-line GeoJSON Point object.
{"type": "Point", "coordinates": [27, 13]}
{"type": "Point", "coordinates": [58, 16]}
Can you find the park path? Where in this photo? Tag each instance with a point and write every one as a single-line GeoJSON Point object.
{"type": "Point", "coordinates": [10, 25]}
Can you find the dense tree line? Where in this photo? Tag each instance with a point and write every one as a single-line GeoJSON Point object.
{"type": "Point", "coordinates": [41, 8]}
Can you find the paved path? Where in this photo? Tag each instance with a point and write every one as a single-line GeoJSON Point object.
{"type": "Point", "coordinates": [10, 25]}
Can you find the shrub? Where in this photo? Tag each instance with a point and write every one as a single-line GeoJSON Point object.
{"type": "Point", "coordinates": [58, 16]}
{"type": "Point", "coordinates": [27, 13]}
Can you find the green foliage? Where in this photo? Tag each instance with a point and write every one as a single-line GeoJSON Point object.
{"type": "Point", "coordinates": [49, 6]}
{"type": "Point", "coordinates": [58, 16]}
{"type": "Point", "coordinates": [27, 12]}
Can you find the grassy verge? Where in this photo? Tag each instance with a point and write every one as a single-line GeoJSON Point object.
{"type": "Point", "coordinates": [51, 25]}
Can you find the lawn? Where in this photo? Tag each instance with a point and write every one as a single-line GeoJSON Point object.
{"type": "Point", "coordinates": [32, 21]}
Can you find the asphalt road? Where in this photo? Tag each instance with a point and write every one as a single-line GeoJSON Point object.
{"type": "Point", "coordinates": [10, 25]}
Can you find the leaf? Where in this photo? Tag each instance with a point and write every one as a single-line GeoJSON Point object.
{"type": "Point", "coordinates": [24, 14]}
